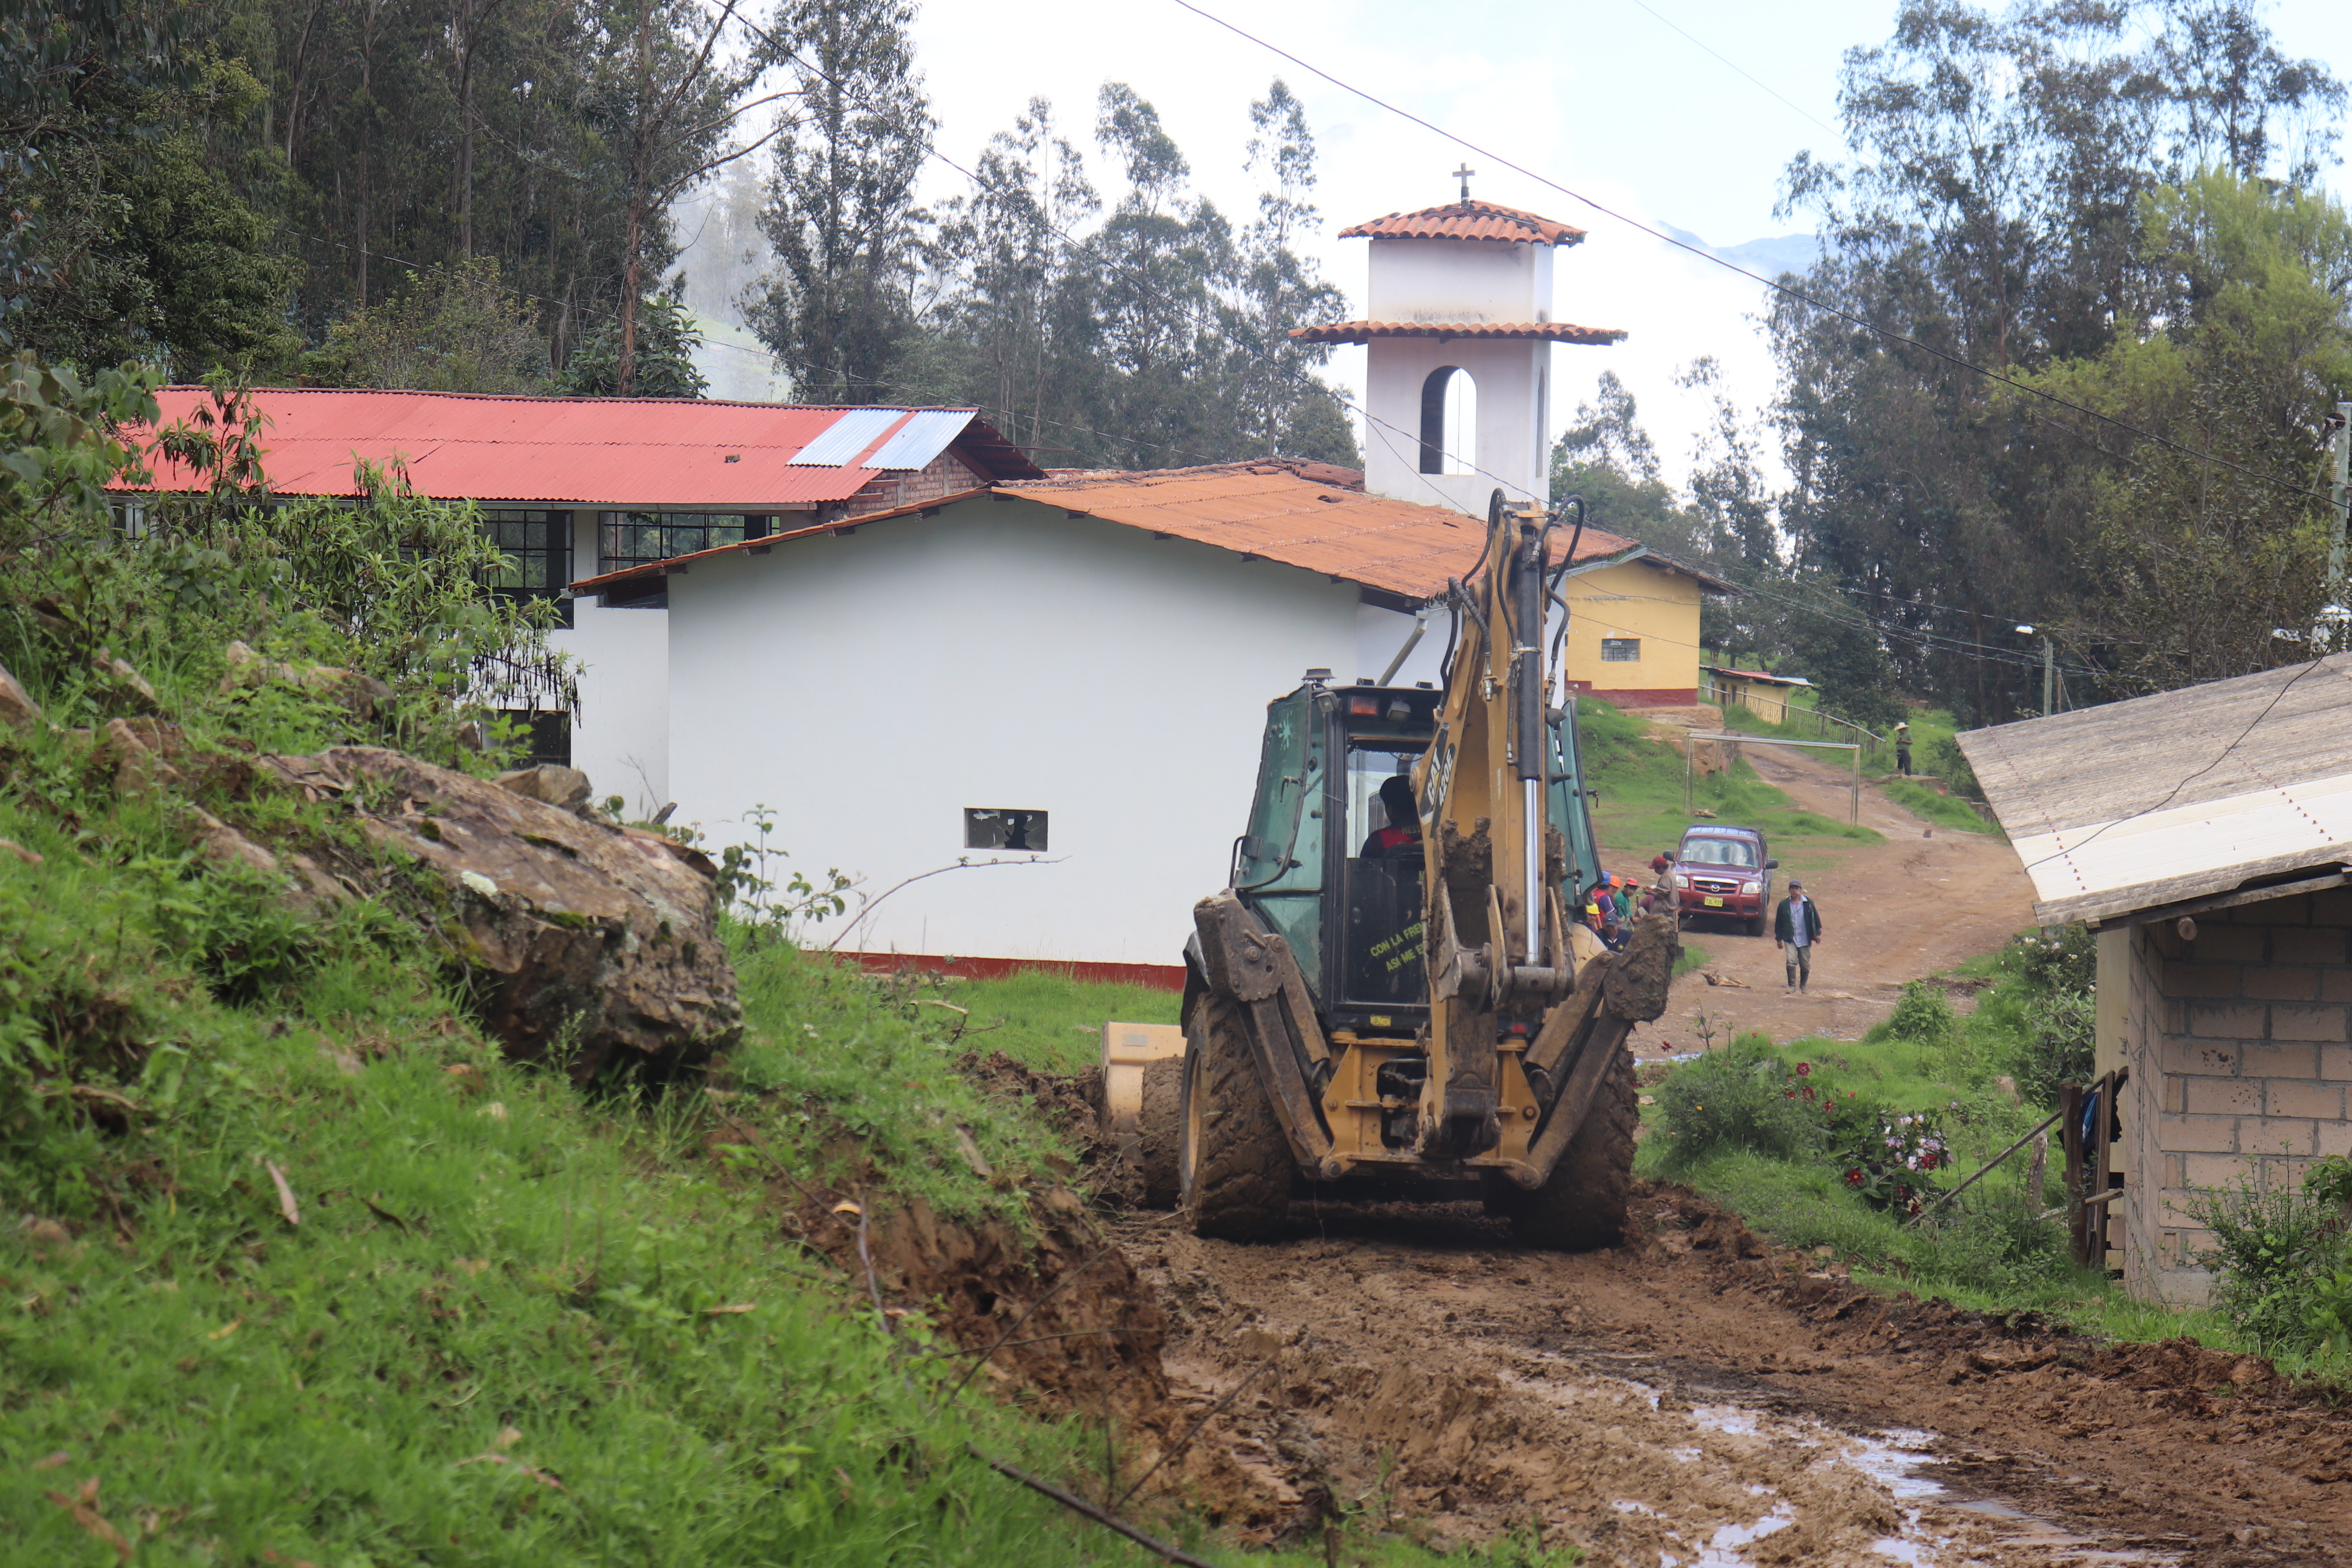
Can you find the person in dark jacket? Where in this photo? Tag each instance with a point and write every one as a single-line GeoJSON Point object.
{"type": "Point", "coordinates": [1401, 837]}
{"type": "Point", "coordinates": [1796, 931]}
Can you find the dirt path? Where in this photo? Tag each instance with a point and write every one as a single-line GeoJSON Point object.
{"type": "Point", "coordinates": [1674, 1402]}
{"type": "Point", "coordinates": [1924, 899]}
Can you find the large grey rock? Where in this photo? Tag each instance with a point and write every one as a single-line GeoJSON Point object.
{"type": "Point", "coordinates": [565, 920]}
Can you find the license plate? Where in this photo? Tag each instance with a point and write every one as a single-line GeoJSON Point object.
{"type": "Point", "coordinates": [1714, 903]}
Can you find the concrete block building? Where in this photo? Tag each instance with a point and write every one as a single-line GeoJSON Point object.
{"type": "Point", "coordinates": [2206, 835]}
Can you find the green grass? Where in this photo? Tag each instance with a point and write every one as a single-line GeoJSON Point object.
{"type": "Point", "coordinates": [1049, 1021]}
{"type": "Point", "coordinates": [1693, 957]}
{"type": "Point", "coordinates": [1640, 803]}
{"type": "Point", "coordinates": [1944, 811]}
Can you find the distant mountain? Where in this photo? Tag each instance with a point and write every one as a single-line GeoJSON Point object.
{"type": "Point", "coordinates": [1770, 257]}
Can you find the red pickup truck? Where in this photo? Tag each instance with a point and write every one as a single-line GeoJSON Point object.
{"type": "Point", "coordinates": [1726, 872]}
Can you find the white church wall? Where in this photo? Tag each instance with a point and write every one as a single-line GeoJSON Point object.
{"type": "Point", "coordinates": [872, 687]}
{"type": "Point", "coordinates": [620, 733]}
{"type": "Point", "coordinates": [1511, 376]}
{"type": "Point", "coordinates": [1458, 281]}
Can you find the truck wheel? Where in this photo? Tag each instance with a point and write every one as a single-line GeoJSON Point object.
{"type": "Point", "coordinates": [1582, 1205]}
{"type": "Point", "coordinates": [1234, 1168]}
{"type": "Point", "coordinates": [1756, 926]}
{"type": "Point", "coordinates": [1159, 1126]}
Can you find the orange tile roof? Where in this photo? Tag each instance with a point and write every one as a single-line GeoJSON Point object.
{"type": "Point", "coordinates": [1467, 220]}
{"type": "Point", "coordinates": [1365, 331]}
{"type": "Point", "coordinates": [1270, 510]}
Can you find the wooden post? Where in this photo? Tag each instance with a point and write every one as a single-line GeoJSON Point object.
{"type": "Point", "coordinates": [2070, 1144]}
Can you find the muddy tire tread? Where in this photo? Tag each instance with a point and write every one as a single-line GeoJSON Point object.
{"type": "Point", "coordinates": [1160, 1122]}
{"type": "Point", "coordinates": [1237, 1185]}
{"type": "Point", "coordinates": [1582, 1205]}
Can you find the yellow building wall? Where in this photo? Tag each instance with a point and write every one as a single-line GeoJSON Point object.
{"type": "Point", "coordinates": [1770, 703]}
{"type": "Point", "coordinates": [1634, 600]}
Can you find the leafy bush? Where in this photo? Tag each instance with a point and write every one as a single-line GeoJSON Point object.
{"type": "Point", "coordinates": [1924, 1016]}
{"type": "Point", "coordinates": [2058, 1046]}
{"type": "Point", "coordinates": [1741, 1097]}
{"type": "Point", "coordinates": [1947, 762]}
{"type": "Point", "coordinates": [1889, 1160]}
{"type": "Point", "coordinates": [2281, 1260]}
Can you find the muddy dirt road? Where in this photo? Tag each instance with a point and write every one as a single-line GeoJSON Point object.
{"type": "Point", "coordinates": [1923, 900]}
{"type": "Point", "coordinates": [1674, 1402]}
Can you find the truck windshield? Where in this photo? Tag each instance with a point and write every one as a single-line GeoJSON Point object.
{"type": "Point", "coordinates": [1718, 852]}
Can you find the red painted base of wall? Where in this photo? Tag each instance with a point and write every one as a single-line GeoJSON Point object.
{"type": "Point", "coordinates": [1687, 697]}
{"type": "Point", "coordinates": [1156, 976]}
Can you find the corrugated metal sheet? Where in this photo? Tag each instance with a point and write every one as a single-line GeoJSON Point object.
{"type": "Point", "coordinates": [920, 438]}
{"type": "Point", "coordinates": [1550, 331]}
{"type": "Point", "coordinates": [850, 435]}
{"type": "Point", "coordinates": [677, 454]}
{"type": "Point", "coordinates": [1467, 220]}
{"type": "Point", "coordinates": [2178, 795]}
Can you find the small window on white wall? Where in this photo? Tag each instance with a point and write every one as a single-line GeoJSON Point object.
{"type": "Point", "coordinates": [1449, 420]}
{"type": "Point", "coordinates": [1620, 650]}
{"type": "Point", "coordinates": [1003, 827]}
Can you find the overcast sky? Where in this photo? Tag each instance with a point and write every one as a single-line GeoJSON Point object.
{"type": "Point", "coordinates": [1606, 96]}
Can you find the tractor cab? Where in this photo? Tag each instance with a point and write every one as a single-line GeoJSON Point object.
{"type": "Point", "coordinates": [1313, 866]}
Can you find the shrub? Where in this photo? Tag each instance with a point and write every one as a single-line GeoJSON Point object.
{"type": "Point", "coordinates": [1889, 1160]}
{"type": "Point", "coordinates": [1946, 760]}
{"type": "Point", "coordinates": [2058, 1044]}
{"type": "Point", "coordinates": [1924, 1016]}
{"type": "Point", "coordinates": [2282, 1268]}
{"type": "Point", "coordinates": [1741, 1097]}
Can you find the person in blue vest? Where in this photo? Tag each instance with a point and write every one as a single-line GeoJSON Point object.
{"type": "Point", "coordinates": [1796, 931]}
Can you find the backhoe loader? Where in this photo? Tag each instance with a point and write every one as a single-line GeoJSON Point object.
{"type": "Point", "coordinates": [1425, 1023]}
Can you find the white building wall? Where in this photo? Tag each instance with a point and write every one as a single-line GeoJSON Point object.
{"type": "Point", "coordinates": [1459, 280]}
{"type": "Point", "coordinates": [1513, 384]}
{"type": "Point", "coordinates": [620, 733]}
{"type": "Point", "coordinates": [1381, 633]}
{"type": "Point", "coordinates": [869, 688]}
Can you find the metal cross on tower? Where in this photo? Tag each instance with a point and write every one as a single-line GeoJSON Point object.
{"type": "Point", "coordinates": [1462, 175]}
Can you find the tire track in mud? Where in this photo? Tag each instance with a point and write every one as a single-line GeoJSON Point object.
{"type": "Point", "coordinates": [1687, 1400]}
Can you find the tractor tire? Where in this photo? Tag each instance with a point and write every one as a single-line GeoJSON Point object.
{"type": "Point", "coordinates": [1582, 1206]}
{"type": "Point", "coordinates": [1160, 1127]}
{"type": "Point", "coordinates": [1233, 1168]}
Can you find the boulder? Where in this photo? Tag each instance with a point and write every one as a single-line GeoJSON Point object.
{"type": "Point", "coordinates": [17, 706]}
{"type": "Point", "coordinates": [566, 921]}
{"type": "Point", "coordinates": [566, 789]}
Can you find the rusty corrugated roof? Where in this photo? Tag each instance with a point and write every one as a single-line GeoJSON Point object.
{"type": "Point", "coordinates": [1467, 220]}
{"type": "Point", "coordinates": [1552, 331]}
{"type": "Point", "coordinates": [1268, 511]}
{"type": "Point", "coordinates": [598, 451]}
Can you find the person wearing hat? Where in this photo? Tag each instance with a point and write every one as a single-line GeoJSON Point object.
{"type": "Point", "coordinates": [1796, 931]}
{"type": "Point", "coordinates": [1903, 747]}
{"type": "Point", "coordinates": [1624, 896]}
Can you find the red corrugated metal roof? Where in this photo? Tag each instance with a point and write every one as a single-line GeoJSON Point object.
{"type": "Point", "coordinates": [1365, 331]}
{"type": "Point", "coordinates": [1267, 511]}
{"type": "Point", "coordinates": [674, 453]}
{"type": "Point", "coordinates": [1467, 220]}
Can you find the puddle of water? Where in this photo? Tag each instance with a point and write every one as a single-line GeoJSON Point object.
{"type": "Point", "coordinates": [1722, 1549]}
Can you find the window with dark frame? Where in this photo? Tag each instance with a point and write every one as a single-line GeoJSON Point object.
{"type": "Point", "coordinates": [538, 547]}
{"type": "Point", "coordinates": [639, 538]}
{"type": "Point", "coordinates": [549, 735]}
{"type": "Point", "coordinates": [1620, 650]}
{"type": "Point", "coordinates": [1003, 827]}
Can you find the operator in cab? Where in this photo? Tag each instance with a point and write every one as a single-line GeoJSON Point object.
{"type": "Point", "coordinates": [1401, 836]}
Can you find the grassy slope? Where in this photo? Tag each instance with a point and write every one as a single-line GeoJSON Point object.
{"type": "Point", "coordinates": [1640, 804]}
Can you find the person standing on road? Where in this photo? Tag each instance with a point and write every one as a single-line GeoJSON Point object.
{"type": "Point", "coordinates": [1796, 931]}
{"type": "Point", "coordinates": [1903, 747]}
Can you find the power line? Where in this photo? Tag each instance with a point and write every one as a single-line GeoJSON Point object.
{"type": "Point", "coordinates": [1796, 294]}
{"type": "Point", "coordinates": [1757, 80]}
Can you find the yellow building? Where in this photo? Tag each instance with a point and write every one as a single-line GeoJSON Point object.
{"type": "Point", "coordinates": [1632, 623]}
{"type": "Point", "coordinates": [1766, 696]}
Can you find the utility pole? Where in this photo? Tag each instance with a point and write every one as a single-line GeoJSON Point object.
{"type": "Point", "coordinates": [2049, 669]}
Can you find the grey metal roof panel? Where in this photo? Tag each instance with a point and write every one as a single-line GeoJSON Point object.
{"type": "Point", "coordinates": [2179, 794]}
{"type": "Point", "coordinates": [922, 439]}
{"type": "Point", "coordinates": [846, 436]}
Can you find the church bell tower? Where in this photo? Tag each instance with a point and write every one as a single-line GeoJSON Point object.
{"type": "Point", "coordinates": [1459, 334]}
